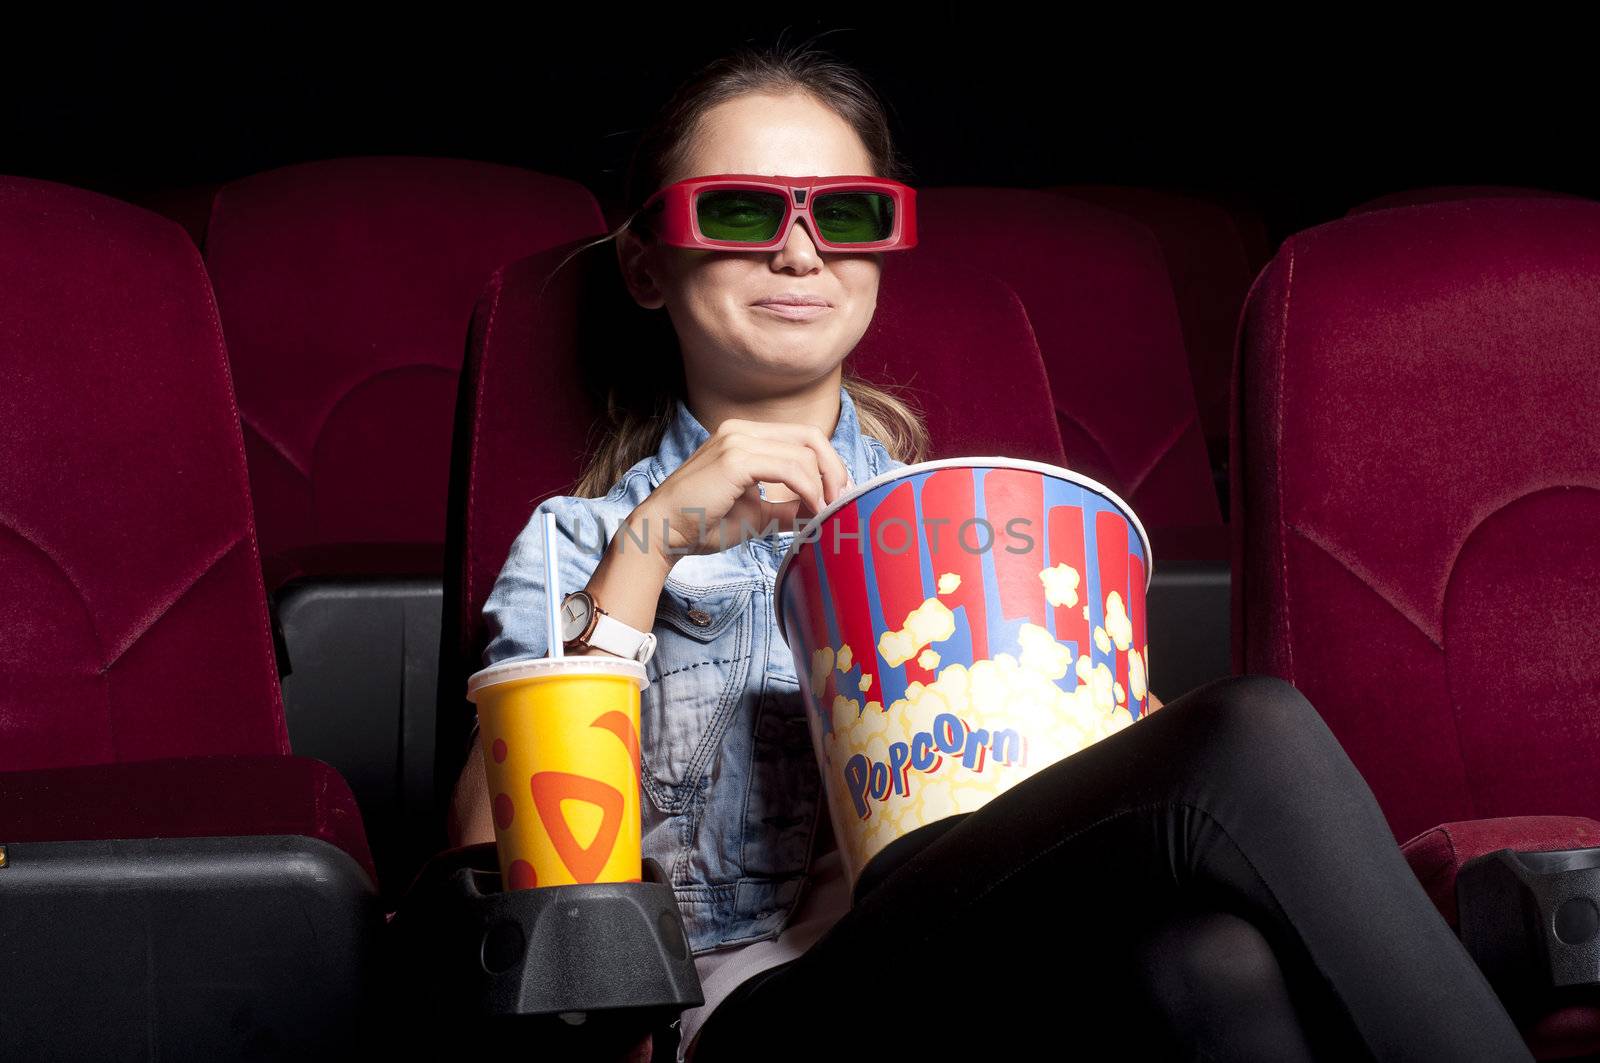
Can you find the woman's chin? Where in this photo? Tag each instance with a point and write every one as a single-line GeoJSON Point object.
{"type": "Point", "coordinates": [799, 361]}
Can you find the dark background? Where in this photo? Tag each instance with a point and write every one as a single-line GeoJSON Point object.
{"type": "Point", "coordinates": [1299, 120]}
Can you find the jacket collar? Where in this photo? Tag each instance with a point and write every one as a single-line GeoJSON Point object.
{"type": "Point", "coordinates": [686, 434]}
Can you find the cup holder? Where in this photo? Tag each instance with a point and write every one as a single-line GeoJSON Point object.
{"type": "Point", "coordinates": [602, 956]}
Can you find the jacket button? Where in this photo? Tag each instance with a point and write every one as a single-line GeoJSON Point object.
{"type": "Point", "coordinates": [700, 617]}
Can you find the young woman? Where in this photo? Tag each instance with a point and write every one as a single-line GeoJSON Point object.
{"type": "Point", "coordinates": [1214, 880]}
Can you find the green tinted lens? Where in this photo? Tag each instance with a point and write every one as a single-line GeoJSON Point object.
{"type": "Point", "coordinates": [743, 215]}
{"type": "Point", "coordinates": [854, 217]}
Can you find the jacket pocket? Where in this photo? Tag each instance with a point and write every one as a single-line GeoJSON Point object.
{"type": "Point", "coordinates": [697, 679]}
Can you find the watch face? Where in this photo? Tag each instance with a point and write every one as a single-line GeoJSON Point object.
{"type": "Point", "coordinates": [574, 617]}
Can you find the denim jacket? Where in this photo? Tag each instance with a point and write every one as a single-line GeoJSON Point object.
{"type": "Point", "coordinates": [730, 801]}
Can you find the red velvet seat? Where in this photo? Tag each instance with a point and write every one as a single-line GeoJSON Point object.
{"type": "Point", "coordinates": [1099, 297]}
{"type": "Point", "coordinates": [1096, 290]}
{"type": "Point", "coordinates": [1212, 252]}
{"type": "Point", "coordinates": [345, 288]}
{"type": "Point", "coordinates": [146, 778]}
{"type": "Point", "coordinates": [1416, 484]}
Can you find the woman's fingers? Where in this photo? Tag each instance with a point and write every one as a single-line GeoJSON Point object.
{"type": "Point", "coordinates": [774, 461]}
{"type": "Point", "coordinates": [805, 472]}
{"type": "Point", "coordinates": [830, 466]}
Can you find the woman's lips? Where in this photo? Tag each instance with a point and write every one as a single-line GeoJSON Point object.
{"type": "Point", "coordinates": [791, 312]}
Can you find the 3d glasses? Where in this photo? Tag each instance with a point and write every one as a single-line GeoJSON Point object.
{"type": "Point", "coordinates": [751, 212]}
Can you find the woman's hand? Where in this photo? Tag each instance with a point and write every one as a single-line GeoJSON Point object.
{"type": "Point", "coordinates": [711, 502]}
{"type": "Point", "coordinates": [1155, 702]}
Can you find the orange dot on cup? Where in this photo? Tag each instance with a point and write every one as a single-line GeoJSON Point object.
{"type": "Point", "coordinates": [522, 876]}
{"type": "Point", "coordinates": [499, 750]}
{"type": "Point", "coordinates": [503, 811]}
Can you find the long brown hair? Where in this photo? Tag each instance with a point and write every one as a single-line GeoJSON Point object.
{"type": "Point", "coordinates": [641, 387]}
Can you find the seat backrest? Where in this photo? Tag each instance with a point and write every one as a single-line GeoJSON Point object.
{"type": "Point", "coordinates": [525, 411]}
{"type": "Point", "coordinates": [133, 625]}
{"type": "Point", "coordinates": [957, 342]}
{"type": "Point", "coordinates": [346, 287]}
{"type": "Point", "coordinates": [1416, 197]}
{"type": "Point", "coordinates": [1210, 250]}
{"type": "Point", "coordinates": [1097, 293]}
{"type": "Point", "coordinates": [1416, 492]}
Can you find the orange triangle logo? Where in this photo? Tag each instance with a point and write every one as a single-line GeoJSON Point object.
{"type": "Point", "coordinates": [550, 788]}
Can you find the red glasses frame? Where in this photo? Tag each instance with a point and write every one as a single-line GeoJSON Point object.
{"type": "Point", "coordinates": [674, 220]}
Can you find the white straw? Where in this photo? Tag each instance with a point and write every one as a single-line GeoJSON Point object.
{"type": "Point", "coordinates": [552, 584]}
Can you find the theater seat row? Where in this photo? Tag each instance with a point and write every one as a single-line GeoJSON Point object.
{"type": "Point", "coordinates": [156, 815]}
{"type": "Point", "coordinates": [345, 409]}
{"type": "Point", "coordinates": [344, 288]}
{"type": "Point", "coordinates": [1210, 250]}
{"type": "Point", "coordinates": [1412, 453]}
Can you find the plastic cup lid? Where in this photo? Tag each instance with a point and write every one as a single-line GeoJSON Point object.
{"type": "Point", "coordinates": [533, 668]}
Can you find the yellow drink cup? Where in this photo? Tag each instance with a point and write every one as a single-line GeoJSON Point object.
{"type": "Point", "coordinates": [560, 738]}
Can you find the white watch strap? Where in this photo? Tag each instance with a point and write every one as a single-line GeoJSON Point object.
{"type": "Point", "coordinates": [613, 636]}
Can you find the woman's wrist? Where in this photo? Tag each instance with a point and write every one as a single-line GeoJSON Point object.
{"type": "Point", "coordinates": [644, 532]}
{"type": "Point", "coordinates": [628, 580]}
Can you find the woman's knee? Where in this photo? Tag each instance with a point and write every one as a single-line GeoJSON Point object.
{"type": "Point", "coordinates": [1248, 718]}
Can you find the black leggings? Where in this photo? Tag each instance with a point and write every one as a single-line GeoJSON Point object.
{"type": "Point", "coordinates": [1168, 892]}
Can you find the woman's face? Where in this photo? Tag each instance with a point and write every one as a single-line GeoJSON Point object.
{"type": "Point", "coordinates": [713, 297]}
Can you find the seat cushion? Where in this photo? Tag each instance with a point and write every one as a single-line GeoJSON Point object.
{"type": "Point", "coordinates": [184, 797]}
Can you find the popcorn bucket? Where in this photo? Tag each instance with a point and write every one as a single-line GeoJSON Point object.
{"type": "Point", "coordinates": [957, 626]}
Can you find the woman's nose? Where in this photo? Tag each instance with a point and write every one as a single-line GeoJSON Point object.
{"type": "Point", "coordinates": [799, 247]}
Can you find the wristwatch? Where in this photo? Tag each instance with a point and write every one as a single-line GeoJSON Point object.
{"type": "Point", "coordinates": [585, 624]}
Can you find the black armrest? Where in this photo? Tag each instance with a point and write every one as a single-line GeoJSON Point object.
{"type": "Point", "coordinates": [185, 948]}
{"type": "Point", "coordinates": [595, 966]}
